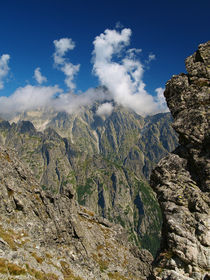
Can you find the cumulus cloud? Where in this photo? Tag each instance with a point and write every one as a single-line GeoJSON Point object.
{"type": "Point", "coordinates": [38, 76]}
{"type": "Point", "coordinates": [161, 99]}
{"type": "Point", "coordinates": [27, 98]}
{"type": "Point", "coordinates": [4, 68]}
{"type": "Point", "coordinates": [39, 97]}
{"type": "Point", "coordinates": [131, 53]}
{"type": "Point", "coordinates": [62, 46]}
{"type": "Point", "coordinates": [105, 109]}
{"type": "Point", "coordinates": [123, 78]}
{"type": "Point", "coordinates": [70, 71]}
{"type": "Point", "coordinates": [71, 102]}
{"type": "Point", "coordinates": [119, 71]}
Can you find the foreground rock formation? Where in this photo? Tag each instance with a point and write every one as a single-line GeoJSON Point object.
{"type": "Point", "coordinates": [182, 179]}
{"type": "Point", "coordinates": [50, 237]}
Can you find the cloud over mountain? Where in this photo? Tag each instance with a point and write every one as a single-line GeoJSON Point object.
{"type": "Point", "coordinates": [122, 75]}
{"type": "Point", "coordinates": [117, 67]}
{"type": "Point", "coordinates": [36, 97]}
{"type": "Point", "coordinates": [105, 109]}
{"type": "Point", "coordinates": [27, 98]}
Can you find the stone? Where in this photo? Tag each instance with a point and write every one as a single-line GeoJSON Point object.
{"type": "Point", "coordinates": [49, 236]}
{"type": "Point", "coordinates": [182, 179]}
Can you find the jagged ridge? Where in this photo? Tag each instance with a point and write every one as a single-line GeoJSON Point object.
{"type": "Point", "coordinates": [106, 174]}
{"type": "Point", "coordinates": [181, 180]}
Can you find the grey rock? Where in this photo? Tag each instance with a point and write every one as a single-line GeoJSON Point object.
{"type": "Point", "coordinates": [182, 179]}
{"type": "Point", "coordinates": [49, 236]}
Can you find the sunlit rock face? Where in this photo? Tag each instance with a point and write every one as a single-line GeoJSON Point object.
{"type": "Point", "coordinates": [49, 236]}
{"type": "Point", "coordinates": [181, 180]}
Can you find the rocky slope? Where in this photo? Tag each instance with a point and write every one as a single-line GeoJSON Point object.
{"type": "Point", "coordinates": [49, 237]}
{"type": "Point", "coordinates": [107, 174]}
{"type": "Point", "coordinates": [181, 180]}
{"type": "Point", "coordinates": [99, 184]}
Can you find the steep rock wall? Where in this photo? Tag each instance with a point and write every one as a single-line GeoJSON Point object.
{"type": "Point", "coordinates": [182, 179]}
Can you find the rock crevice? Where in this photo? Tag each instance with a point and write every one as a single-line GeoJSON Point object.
{"type": "Point", "coordinates": [182, 179]}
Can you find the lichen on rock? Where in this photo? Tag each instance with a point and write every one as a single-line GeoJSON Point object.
{"type": "Point", "coordinates": [182, 179]}
{"type": "Point", "coordinates": [50, 237]}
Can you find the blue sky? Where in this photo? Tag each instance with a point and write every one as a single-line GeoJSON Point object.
{"type": "Point", "coordinates": [171, 30]}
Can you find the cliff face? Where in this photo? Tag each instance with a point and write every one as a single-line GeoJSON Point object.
{"type": "Point", "coordinates": [49, 237]}
{"type": "Point", "coordinates": [181, 180]}
{"type": "Point", "coordinates": [124, 137]}
{"type": "Point", "coordinates": [103, 160]}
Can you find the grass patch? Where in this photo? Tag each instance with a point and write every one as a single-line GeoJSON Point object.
{"type": "Point", "coordinates": [3, 266]}
{"type": "Point", "coordinates": [11, 268]}
{"type": "Point", "coordinates": [8, 238]}
{"type": "Point", "coordinates": [67, 272]}
{"type": "Point", "coordinates": [15, 269]}
{"type": "Point", "coordinates": [38, 259]}
{"type": "Point", "coordinates": [83, 190]}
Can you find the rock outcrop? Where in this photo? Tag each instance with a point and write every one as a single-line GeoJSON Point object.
{"type": "Point", "coordinates": [182, 179]}
{"type": "Point", "coordinates": [49, 237]}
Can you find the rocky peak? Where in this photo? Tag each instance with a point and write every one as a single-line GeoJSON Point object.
{"type": "Point", "coordinates": [181, 180]}
{"type": "Point", "coordinates": [25, 127]}
{"type": "Point", "coordinates": [188, 99]}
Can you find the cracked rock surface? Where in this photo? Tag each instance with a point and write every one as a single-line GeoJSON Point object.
{"type": "Point", "coordinates": [49, 237]}
{"type": "Point", "coordinates": [182, 179]}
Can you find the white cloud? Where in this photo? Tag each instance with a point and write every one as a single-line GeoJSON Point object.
{"type": "Point", "coordinates": [71, 102]}
{"type": "Point", "coordinates": [62, 46]}
{"type": "Point", "coordinates": [118, 70]}
{"type": "Point", "coordinates": [151, 57]}
{"type": "Point", "coordinates": [105, 109]}
{"type": "Point", "coordinates": [123, 78]}
{"type": "Point", "coordinates": [35, 97]}
{"type": "Point", "coordinates": [4, 68]}
{"type": "Point", "coordinates": [70, 70]}
{"type": "Point", "coordinates": [131, 53]}
{"type": "Point", "coordinates": [38, 76]}
{"type": "Point", "coordinates": [27, 98]}
{"type": "Point", "coordinates": [161, 99]}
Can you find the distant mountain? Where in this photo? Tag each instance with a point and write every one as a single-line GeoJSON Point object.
{"type": "Point", "coordinates": [106, 160]}
{"type": "Point", "coordinates": [124, 137]}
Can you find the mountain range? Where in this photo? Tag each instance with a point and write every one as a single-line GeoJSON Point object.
{"type": "Point", "coordinates": [75, 200]}
{"type": "Point", "coordinates": [107, 160]}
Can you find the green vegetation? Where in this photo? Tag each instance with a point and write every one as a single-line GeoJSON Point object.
{"type": "Point", "coordinates": [8, 237]}
{"type": "Point", "coordinates": [67, 272]}
{"type": "Point", "coordinates": [151, 239]}
{"type": "Point", "coordinates": [104, 161]}
{"type": "Point", "coordinates": [120, 221]}
{"type": "Point", "coordinates": [83, 190]}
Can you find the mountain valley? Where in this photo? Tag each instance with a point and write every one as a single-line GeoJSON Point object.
{"type": "Point", "coordinates": [106, 160]}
